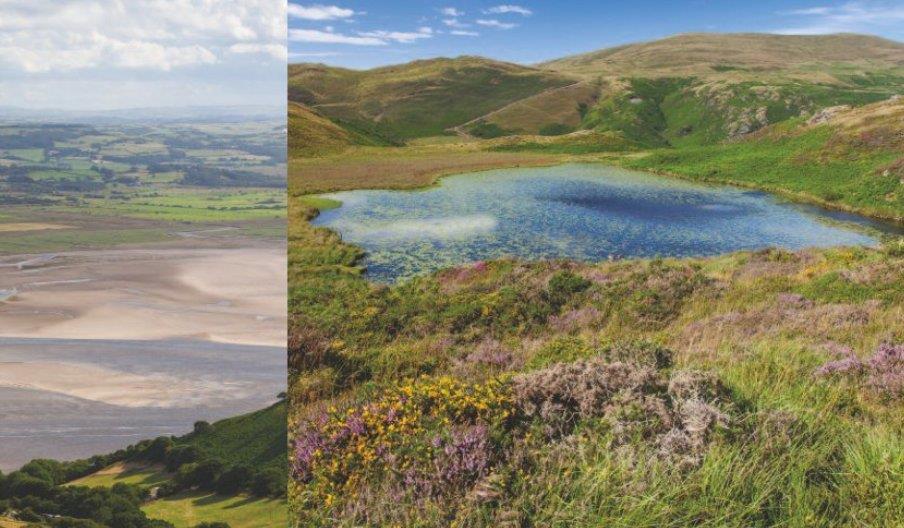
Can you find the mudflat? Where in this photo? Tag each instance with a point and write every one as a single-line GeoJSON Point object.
{"type": "Point", "coordinates": [102, 348]}
{"type": "Point", "coordinates": [226, 295]}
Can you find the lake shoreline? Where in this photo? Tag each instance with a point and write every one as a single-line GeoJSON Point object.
{"type": "Point", "coordinates": [794, 196]}
{"type": "Point", "coordinates": [612, 210]}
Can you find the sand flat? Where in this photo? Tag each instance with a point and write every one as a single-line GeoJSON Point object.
{"type": "Point", "coordinates": [223, 295]}
{"type": "Point", "coordinates": [119, 388]}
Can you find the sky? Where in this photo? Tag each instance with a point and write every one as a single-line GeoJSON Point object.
{"type": "Point", "coordinates": [368, 33]}
{"type": "Point", "coordinates": [119, 54]}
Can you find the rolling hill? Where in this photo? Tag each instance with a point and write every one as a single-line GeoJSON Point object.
{"type": "Point", "coordinates": [232, 471]}
{"type": "Point", "coordinates": [421, 98]}
{"type": "Point", "coordinates": [686, 90]}
{"type": "Point", "coordinates": [740, 56]}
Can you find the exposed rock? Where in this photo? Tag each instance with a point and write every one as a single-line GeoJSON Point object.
{"type": "Point", "coordinates": [826, 114]}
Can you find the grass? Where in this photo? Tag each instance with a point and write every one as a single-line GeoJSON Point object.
{"type": "Point", "coordinates": [196, 205]}
{"type": "Point", "coordinates": [398, 167]}
{"type": "Point", "coordinates": [6, 522]}
{"type": "Point", "coordinates": [257, 439]}
{"type": "Point", "coordinates": [418, 99]}
{"type": "Point", "coordinates": [34, 155]}
{"type": "Point", "coordinates": [851, 167]}
{"type": "Point", "coordinates": [71, 239]}
{"type": "Point", "coordinates": [124, 473]}
{"type": "Point", "coordinates": [795, 456]}
{"type": "Point", "coordinates": [190, 509]}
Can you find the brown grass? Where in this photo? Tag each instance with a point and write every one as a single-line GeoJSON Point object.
{"type": "Point", "coordinates": [558, 105]}
{"type": "Point", "coordinates": [753, 55]}
{"type": "Point", "coordinates": [399, 168]}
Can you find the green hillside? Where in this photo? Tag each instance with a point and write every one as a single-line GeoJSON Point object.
{"type": "Point", "coordinates": [687, 90]}
{"type": "Point", "coordinates": [418, 99]}
{"type": "Point", "coordinates": [257, 439]}
{"type": "Point", "coordinates": [233, 471]}
{"type": "Point", "coordinates": [311, 134]}
{"type": "Point", "coordinates": [852, 160]}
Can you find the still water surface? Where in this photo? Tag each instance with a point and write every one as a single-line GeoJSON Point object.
{"type": "Point", "coordinates": [585, 212]}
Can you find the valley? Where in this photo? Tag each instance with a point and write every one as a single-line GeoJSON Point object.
{"type": "Point", "coordinates": [464, 353]}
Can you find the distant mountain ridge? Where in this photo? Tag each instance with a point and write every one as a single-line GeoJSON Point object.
{"type": "Point", "coordinates": [143, 114]}
{"type": "Point", "coordinates": [691, 89]}
{"type": "Point", "coordinates": [715, 53]}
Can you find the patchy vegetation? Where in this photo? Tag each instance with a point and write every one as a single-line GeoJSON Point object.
{"type": "Point", "coordinates": [751, 389]}
{"type": "Point", "coordinates": [237, 464]}
{"type": "Point", "coordinates": [464, 396]}
{"type": "Point", "coordinates": [850, 160]}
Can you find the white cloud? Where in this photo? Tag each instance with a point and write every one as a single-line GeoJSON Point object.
{"type": "Point", "coordinates": [508, 8]}
{"type": "Point", "coordinates": [277, 51]}
{"type": "Point", "coordinates": [41, 36]}
{"type": "Point", "coordinates": [400, 36]}
{"type": "Point", "coordinates": [451, 12]}
{"type": "Point", "coordinates": [809, 11]}
{"type": "Point", "coordinates": [851, 17]}
{"type": "Point", "coordinates": [454, 23]}
{"type": "Point", "coordinates": [361, 38]}
{"type": "Point", "coordinates": [495, 23]}
{"type": "Point", "coordinates": [463, 33]}
{"type": "Point", "coordinates": [329, 37]}
{"type": "Point", "coordinates": [319, 12]}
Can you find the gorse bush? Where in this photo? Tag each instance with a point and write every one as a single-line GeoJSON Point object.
{"type": "Point", "coordinates": [444, 440]}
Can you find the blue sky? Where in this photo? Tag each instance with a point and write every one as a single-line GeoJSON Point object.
{"type": "Point", "coordinates": [367, 33]}
{"type": "Point", "coordinates": [107, 54]}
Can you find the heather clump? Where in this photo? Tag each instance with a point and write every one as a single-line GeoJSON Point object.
{"type": "Point", "coordinates": [653, 296]}
{"type": "Point", "coordinates": [415, 439]}
{"type": "Point", "coordinates": [676, 413]}
{"type": "Point", "coordinates": [882, 373]}
{"type": "Point", "coordinates": [574, 319]}
{"type": "Point", "coordinates": [446, 440]}
{"type": "Point", "coordinates": [492, 353]}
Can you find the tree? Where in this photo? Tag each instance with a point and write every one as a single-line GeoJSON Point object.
{"type": "Point", "coordinates": [269, 482]}
{"type": "Point", "coordinates": [181, 455]}
{"type": "Point", "coordinates": [202, 427]}
{"type": "Point", "coordinates": [234, 479]}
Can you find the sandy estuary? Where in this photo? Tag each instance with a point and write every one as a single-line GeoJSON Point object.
{"type": "Point", "coordinates": [100, 349]}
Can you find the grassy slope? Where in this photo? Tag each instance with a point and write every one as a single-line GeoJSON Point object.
{"type": "Point", "coordinates": [398, 167]}
{"type": "Point", "coordinates": [190, 509]}
{"type": "Point", "coordinates": [854, 161]}
{"type": "Point", "coordinates": [739, 56]}
{"type": "Point", "coordinates": [735, 327]}
{"type": "Point", "coordinates": [724, 315]}
{"type": "Point", "coordinates": [418, 99]}
{"type": "Point", "coordinates": [257, 439]}
{"type": "Point", "coordinates": [124, 473]}
{"type": "Point", "coordinates": [561, 106]}
{"type": "Point", "coordinates": [688, 90]}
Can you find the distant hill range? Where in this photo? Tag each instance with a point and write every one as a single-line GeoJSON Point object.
{"type": "Point", "coordinates": [686, 90]}
{"type": "Point", "coordinates": [147, 115]}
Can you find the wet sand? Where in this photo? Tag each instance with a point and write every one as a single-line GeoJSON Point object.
{"type": "Point", "coordinates": [100, 349]}
{"type": "Point", "coordinates": [63, 399]}
{"type": "Point", "coordinates": [222, 295]}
